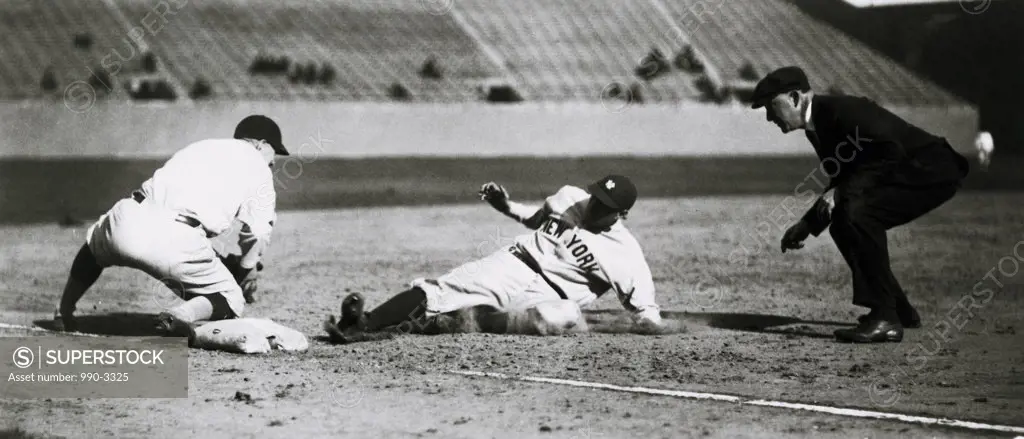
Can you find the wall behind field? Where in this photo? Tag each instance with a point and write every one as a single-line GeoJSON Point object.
{"type": "Point", "coordinates": [332, 129]}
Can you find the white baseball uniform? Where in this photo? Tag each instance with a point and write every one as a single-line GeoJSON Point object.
{"type": "Point", "coordinates": [209, 184]}
{"type": "Point", "coordinates": [568, 263]}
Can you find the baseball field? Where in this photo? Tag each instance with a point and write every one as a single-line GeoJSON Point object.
{"type": "Point", "coordinates": [397, 111]}
{"type": "Point", "coordinates": [754, 326]}
{"type": "Point", "coordinates": [368, 204]}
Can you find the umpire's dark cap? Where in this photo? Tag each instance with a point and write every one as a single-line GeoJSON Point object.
{"type": "Point", "coordinates": [783, 80]}
{"type": "Point", "coordinates": [261, 127]}
{"type": "Point", "coordinates": [614, 191]}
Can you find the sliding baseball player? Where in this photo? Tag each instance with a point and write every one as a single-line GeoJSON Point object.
{"type": "Point", "coordinates": [579, 250]}
{"type": "Point", "coordinates": [164, 228]}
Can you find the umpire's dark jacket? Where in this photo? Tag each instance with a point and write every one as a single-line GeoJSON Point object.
{"type": "Point", "coordinates": [863, 147]}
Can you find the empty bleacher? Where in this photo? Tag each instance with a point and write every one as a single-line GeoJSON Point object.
{"type": "Point", "coordinates": [566, 50]}
{"type": "Point", "coordinates": [40, 35]}
{"type": "Point", "coordinates": [371, 45]}
{"type": "Point", "coordinates": [573, 49]}
{"type": "Point", "coordinates": [773, 33]}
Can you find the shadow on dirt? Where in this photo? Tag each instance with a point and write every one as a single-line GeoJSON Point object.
{"type": "Point", "coordinates": [121, 323]}
{"type": "Point", "coordinates": [608, 321]}
{"type": "Point", "coordinates": [747, 322]}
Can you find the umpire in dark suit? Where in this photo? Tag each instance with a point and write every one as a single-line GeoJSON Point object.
{"type": "Point", "coordinates": [883, 172]}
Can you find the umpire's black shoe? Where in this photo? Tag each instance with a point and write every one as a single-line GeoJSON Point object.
{"type": "Point", "coordinates": [908, 319]}
{"type": "Point", "coordinates": [872, 330]}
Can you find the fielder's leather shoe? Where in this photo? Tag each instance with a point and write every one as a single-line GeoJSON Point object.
{"type": "Point", "coordinates": [908, 319]}
{"type": "Point", "coordinates": [872, 331]}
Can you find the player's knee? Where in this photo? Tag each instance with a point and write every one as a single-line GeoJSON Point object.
{"type": "Point", "coordinates": [221, 309]}
{"type": "Point", "coordinates": [85, 267]}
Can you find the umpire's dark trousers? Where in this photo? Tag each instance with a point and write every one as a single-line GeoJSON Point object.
{"type": "Point", "coordinates": [859, 223]}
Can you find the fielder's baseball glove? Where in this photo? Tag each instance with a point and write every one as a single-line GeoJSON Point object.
{"type": "Point", "coordinates": [246, 278]}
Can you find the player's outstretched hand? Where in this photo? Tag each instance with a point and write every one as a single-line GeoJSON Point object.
{"type": "Point", "coordinates": [495, 194]}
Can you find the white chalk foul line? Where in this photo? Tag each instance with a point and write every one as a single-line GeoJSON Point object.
{"type": "Point", "coordinates": [839, 411]}
{"type": "Point", "coordinates": [35, 329]}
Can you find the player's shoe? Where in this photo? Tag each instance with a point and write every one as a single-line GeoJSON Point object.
{"type": "Point", "coordinates": [170, 326]}
{"type": "Point", "coordinates": [352, 322]}
{"type": "Point", "coordinates": [352, 314]}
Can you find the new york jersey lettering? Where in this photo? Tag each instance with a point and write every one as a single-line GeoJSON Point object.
{"type": "Point", "coordinates": [573, 243]}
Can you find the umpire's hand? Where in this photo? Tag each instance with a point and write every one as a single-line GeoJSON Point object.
{"type": "Point", "coordinates": [794, 237]}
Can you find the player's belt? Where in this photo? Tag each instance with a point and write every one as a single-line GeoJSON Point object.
{"type": "Point", "coordinates": [188, 221]}
{"type": "Point", "coordinates": [532, 263]}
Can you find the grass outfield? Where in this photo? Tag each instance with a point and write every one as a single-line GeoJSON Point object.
{"type": "Point", "coordinates": [37, 190]}
{"type": "Point", "coordinates": [758, 325]}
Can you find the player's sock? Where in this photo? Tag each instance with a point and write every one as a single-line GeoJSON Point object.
{"type": "Point", "coordinates": [195, 309]}
{"type": "Point", "coordinates": [409, 305]}
{"type": "Point", "coordinates": [84, 272]}
{"type": "Point", "coordinates": [205, 307]}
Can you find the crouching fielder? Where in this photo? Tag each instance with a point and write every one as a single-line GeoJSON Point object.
{"type": "Point", "coordinates": [163, 229]}
{"type": "Point", "coordinates": [579, 250]}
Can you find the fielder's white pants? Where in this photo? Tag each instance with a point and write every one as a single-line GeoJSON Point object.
{"type": "Point", "coordinates": [147, 237]}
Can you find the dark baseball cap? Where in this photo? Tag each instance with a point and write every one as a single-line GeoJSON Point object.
{"type": "Point", "coordinates": [614, 191]}
{"type": "Point", "coordinates": [261, 128]}
{"type": "Point", "coordinates": [783, 80]}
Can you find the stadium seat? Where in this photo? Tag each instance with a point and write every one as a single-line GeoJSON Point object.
{"type": "Point", "coordinates": [567, 50]}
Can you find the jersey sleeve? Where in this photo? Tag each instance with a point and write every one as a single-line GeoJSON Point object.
{"type": "Point", "coordinates": [258, 215]}
{"type": "Point", "coordinates": [566, 202]}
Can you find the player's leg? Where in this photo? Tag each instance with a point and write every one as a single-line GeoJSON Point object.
{"type": "Point", "coordinates": [183, 259]}
{"type": "Point", "coordinates": [84, 273]}
{"type": "Point", "coordinates": [487, 282]}
{"type": "Point", "coordinates": [545, 317]}
{"type": "Point", "coordinates": [98, 252]}
{"type": "Point", "coordinates": [406, 311]}
{"type": "Point", "coordinates": [207, 286]}
{"type": "Point", "coordinates": [408, 306]}
{"type": "Point", "coordinates": [536, 309]}
{"type": "Point", "coordinates": [181, 320]}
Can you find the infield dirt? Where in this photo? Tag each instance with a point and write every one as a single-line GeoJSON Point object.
{"type": "Point", "coordinates": [70, 188]}
{"type": "Point", "coordinates": [758, 324]}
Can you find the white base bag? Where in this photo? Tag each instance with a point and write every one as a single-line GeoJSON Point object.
{"type": "Point", "coordinates": [248, 336]}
